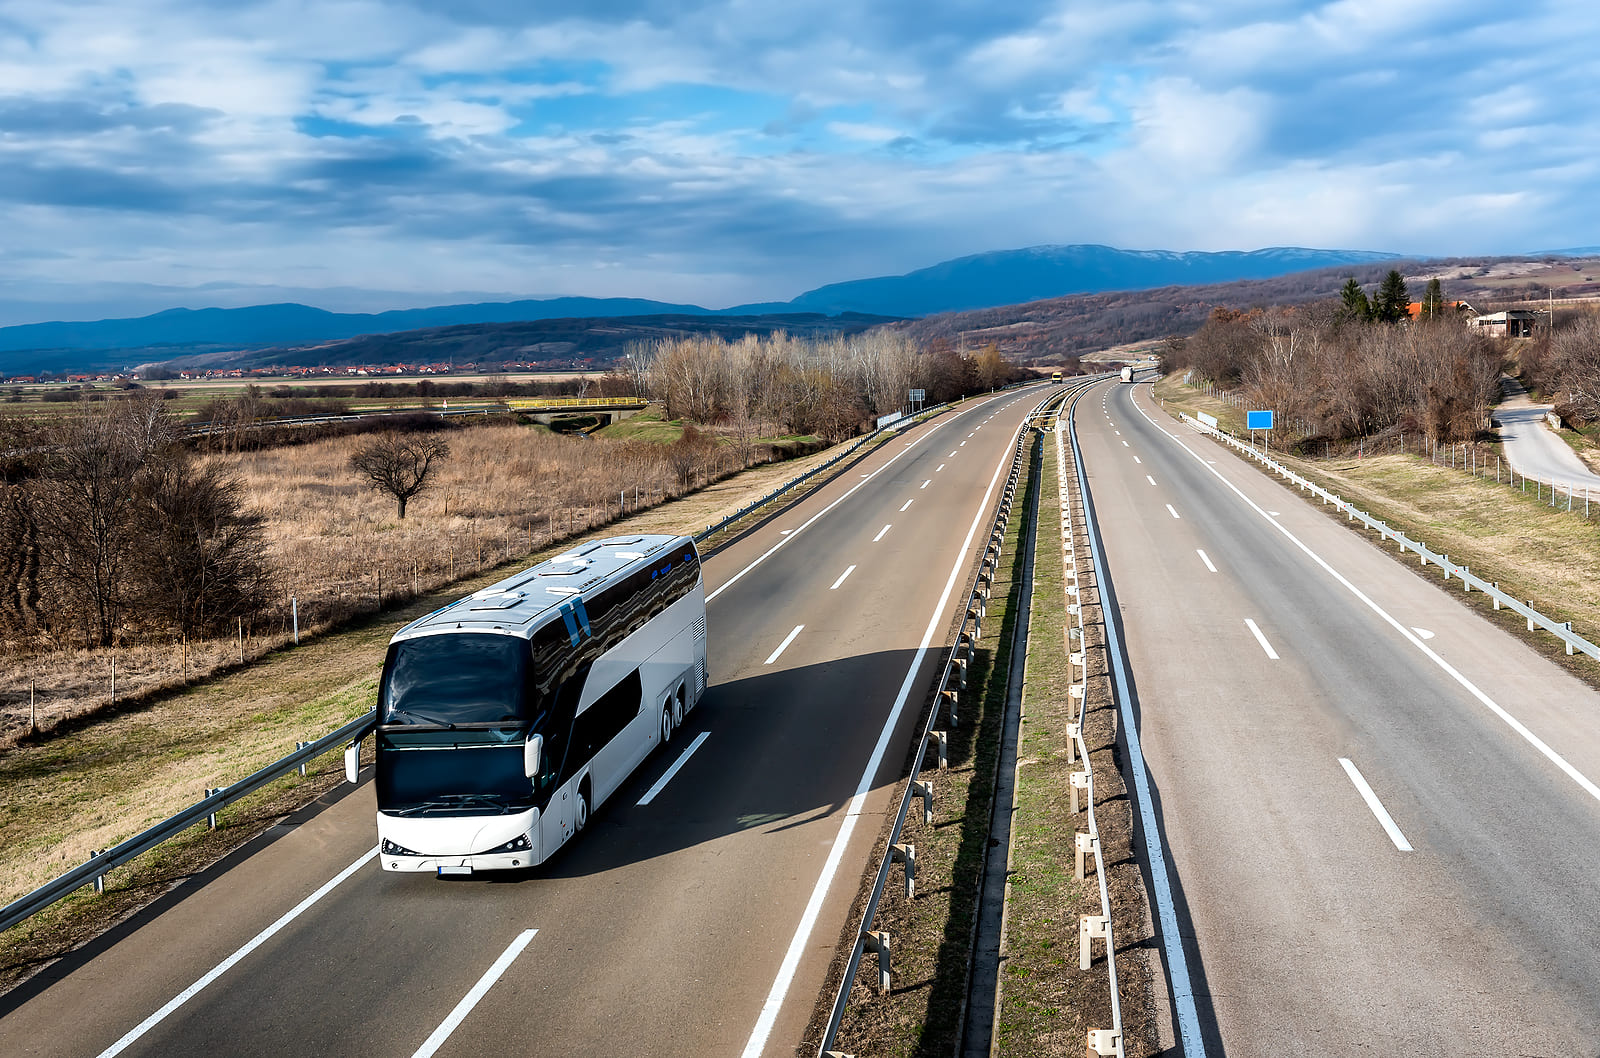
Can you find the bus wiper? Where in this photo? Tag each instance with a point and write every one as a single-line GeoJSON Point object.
{"type": "Point", "coordinates": [496, 800]}
{"type": "Point", "coordinates": [424, 717]}
{"type": "Point", "coordinates": [420, 806]}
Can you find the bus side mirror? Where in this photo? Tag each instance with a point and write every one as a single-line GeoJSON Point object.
{"type": "Point", "coordinates": [530, 755]}
{"type": "Point", "coordinates": [352, 761]}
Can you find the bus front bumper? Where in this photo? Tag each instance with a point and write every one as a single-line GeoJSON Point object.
{"type": "Point", "coordinates": [448, 846]}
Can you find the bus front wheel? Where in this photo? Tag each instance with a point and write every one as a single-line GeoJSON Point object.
{"type": "Point", "coordinates": [666, 722]}
{"type": "Point", "coordinates": [580, 810]}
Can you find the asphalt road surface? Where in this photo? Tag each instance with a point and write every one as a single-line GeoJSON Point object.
{"type": "Point", "coordinates": [1380, 810]}
{"type": "Point", "coordinates": [701, 923]}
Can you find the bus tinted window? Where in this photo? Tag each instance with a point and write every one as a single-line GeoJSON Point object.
{"type": "Point", "coordinates": [455, 679]}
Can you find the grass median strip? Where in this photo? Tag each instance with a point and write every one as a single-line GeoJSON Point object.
{"type": "Point", "coordinates": [1047, 1004]}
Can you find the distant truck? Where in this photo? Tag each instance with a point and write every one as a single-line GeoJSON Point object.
{"type": "Point", "coordinates": [1055, 378]}
{"type": "Point", "coordinates": [1127, 374]}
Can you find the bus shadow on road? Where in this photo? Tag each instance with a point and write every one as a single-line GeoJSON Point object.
{"type": "Point", "coordinates": [783, 750]}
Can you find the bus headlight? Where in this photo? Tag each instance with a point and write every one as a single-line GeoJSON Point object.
{"type": "Point", "coordinates": [391, 849]}
{"type": "Point", "coordinates": [520, 843]}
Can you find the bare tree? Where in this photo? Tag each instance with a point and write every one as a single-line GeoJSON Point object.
{"type": "Point", "coordinates": [399, 464]}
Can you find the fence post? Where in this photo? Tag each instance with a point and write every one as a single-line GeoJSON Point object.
{"type": "Point", "coordinates": [877, 941]}
{"type": "Point", "coordinates": [923, 788]}
{"type": "Point", "coordinates": [906, 853]}
{"type": "Point", "coordinates": [1090, 928]}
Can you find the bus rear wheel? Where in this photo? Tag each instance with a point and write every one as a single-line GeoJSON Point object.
{"type": "Point", "coordinates": [666, 722]}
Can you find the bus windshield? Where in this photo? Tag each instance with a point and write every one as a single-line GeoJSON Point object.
{"type": "Point", "coordinates": [471, 678]}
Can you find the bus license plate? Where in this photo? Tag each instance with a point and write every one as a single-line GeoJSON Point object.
{"type": "Point", "coordinates": [455, 872]}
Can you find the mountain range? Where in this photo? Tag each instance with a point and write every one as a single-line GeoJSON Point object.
{"type": "Point", "coordinates": [979, 281]}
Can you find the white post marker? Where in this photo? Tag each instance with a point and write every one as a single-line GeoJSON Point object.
{"type": "Point", "coordinates": [1373, 803]}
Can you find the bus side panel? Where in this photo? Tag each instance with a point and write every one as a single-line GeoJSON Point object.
{"type": "Point", "coordinates": [663, 654]}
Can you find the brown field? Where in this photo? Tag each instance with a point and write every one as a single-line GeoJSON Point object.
{"type": "Point", "coordinates": [340, 551]}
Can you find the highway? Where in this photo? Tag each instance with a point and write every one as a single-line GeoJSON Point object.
{"type": "Point", "coordinates": [1380, 810]}
{"type": "Point", "coordinates": [698, 913]}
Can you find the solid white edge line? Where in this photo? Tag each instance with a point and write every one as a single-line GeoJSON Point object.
{"type": "Point", "coordinates": [470, 1000]}
{"type": "Point", "coordinates": [227, 964]}
{"type": "Point", "coordinates": [1206, 559]}
{"type": "Point", "coordinates": [1376, 805]}
{"type": "Point", "coordinates": [808, 920]}
{"type": "Point", "coordinates": [885, 529]}
{"type": "Point", "coordinates": [666, 777]}
{"type": "Point", "coordinates": [1587, 784]}
{"type": "Point", "coordinates": [1273, 654]}
{"type": "Point", "coordinates": [847, 571]}
{"type": "Point", "coordinates": [908, 503]}
{"type": "Point", "coordinates": [731, 581]}
{"type": "Point", "coordinates": [784, 645]}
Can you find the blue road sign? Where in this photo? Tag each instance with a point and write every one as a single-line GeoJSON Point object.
{"type": "Point", "coordinates": [1258, 420]}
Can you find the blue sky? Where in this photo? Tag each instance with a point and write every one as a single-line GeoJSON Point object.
{"type": "Point", "coordinates": [370, 154]}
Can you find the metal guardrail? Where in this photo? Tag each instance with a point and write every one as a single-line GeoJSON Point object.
{"type": "Point", "coordinates": [945, 701]}
{"type": "Point", "coordinates": [94, 871]}
{"type": "Point", "coordinates": [1469, 582]}
{"type": "Point", "coordinates": [536, 403]}
{"type": "Point", "coordinates": [1100, 1041]}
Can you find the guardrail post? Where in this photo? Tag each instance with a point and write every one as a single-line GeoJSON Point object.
{"type": "Point", "coordinates": [924, 789]}
{"type": "Point", "coordinates": [211, 819]}
{"type": "Point", "coordinates": [877, 941]}
{"type": "Point", "coordinates": [1568, 626]}
{"type": "Point", "coordinates": [1079, 780]}
{"type": "Point", "coordinates": [1104, 1041]}
{"type": "Point", "coordinates": [948, 695]}
{"type": "Point", "coordinates": [1444, 563]}
{"type": "Point", "coordinates": [942, 744]}
{"type": "Point", "coordinates": [1091, 928]}
{"type": "Point", "coordinates": [1530, 619]}
{"type": "Point", "coordinates": [99, 879]}
{"type": "Point", "coordinates": [1496, 586]}
{"type": "Point", "coordinates": [1075, 701]}
{"type": "Point", "coordinates": [907, 854]}
{"type": "Point", "coordinates": [1074, 731]}
{"type": "Point", "coordinates": [1083, 845]}
{"type": "Point", "coordinates": [298, 746]}
{"type": "Point", "coordinates": [960, 664]}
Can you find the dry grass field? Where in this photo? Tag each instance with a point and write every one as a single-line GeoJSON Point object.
{"type": "Point", "coordinates": [340, 551]}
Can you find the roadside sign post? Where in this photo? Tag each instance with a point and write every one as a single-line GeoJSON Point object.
{"type": "Point", "coordinates": [917, 397]}
{"type": "Point", "coordinates": [1258, 420]}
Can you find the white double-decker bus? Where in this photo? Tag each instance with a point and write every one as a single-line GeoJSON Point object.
{"type": "Point", "coordinates": [506, 718]}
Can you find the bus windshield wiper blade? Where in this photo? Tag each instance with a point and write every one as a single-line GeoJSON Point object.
{"type": "Point", "coordinates": [424, 717]}
{"type": "Point", "coordinates": [497, 800]}
{"type": "Point", "coordinates": [421, 806]}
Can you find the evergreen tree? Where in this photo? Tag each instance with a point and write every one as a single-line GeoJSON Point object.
{"type": "Point", "coordinates": [1356, 306]}
{"type": "Point", "coordinates": [1433, 300]}
{"type": "Point", "coordinates": [1393, 300]}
